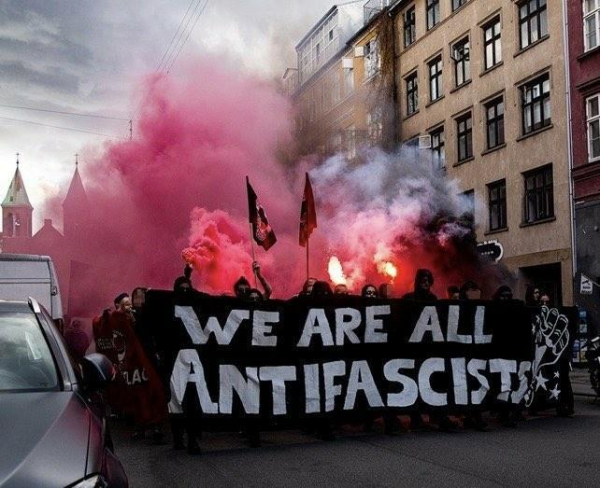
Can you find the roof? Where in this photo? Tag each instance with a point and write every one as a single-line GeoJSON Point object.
{"type": "Point", "coordinates": [23, 257]}
{"type": "Point", "coordinates": [316, 26]}
{"type": "Point", "coordinates": [76, 193]}
{"type": "Point", "coordinates": [16, 196]}
{"type": "Point", "coordinates": [48, 232]}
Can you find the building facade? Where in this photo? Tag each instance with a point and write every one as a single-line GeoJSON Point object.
{"type": "Point", "coordinates": [338, 90]}
{"type": "Point", "coordinates": [583, 29]}
{"type": "Point", "coordinates": [486, 81]}
{"type": "Point", "coordinates": [481, 84]}
{"type": "Point", "coordinates": [70, 257]}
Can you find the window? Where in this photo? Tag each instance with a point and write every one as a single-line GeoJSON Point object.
{"type": "Point", "coordinates": [458, 3]}
{"type": "Point", "coordinates": [533, 21]}
{"type": "Point", "coordinates": [468, 202]}
{"type": "Point", "coordinates": [464, 131]}
{"type": "Point", "coordinates": [349, 142]}
{"type": "Point", "coordinates": [374, 126]}
{"type": "Point", "coordinates": [28, 364]}
{"type": "Point", "coordinates": [372, 60]}
{"type": "Point", "coordinates": [462, 63]}
{"type": "Point", "coordinates": [409, 27]}
{"type": "Point", "coordinates": [591, 23]}
{"type": "Point", "coordinates": [433, 13]}
{"type": "Point", "coordinates": [494, 117]}
{"type": "Point", "coordinates": [335, 143]}
{"type": "Point", "coordinates": [539, 195]}
{"type": "Point", "coordinates": [336, 88]}
{"type": "Point", "coordinates": [536, 104]}
{"type": "Point", "coordinates": [492, 43]}
{"type": "Point", "coordinates": [438, 148]}
{"type": "Point", "coordinates": [412, 94]}
{"type": "Point", "coordinates": [435, 79]}
{"type": "Point", "coordinates": [497, 205]}
{"type": "Point", "coordinates": [593, 127]}
{"type": "Point", "coordinates": [348, 81]}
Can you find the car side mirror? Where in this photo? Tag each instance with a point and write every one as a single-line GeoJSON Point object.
{"type": "Point", "coordinates": [97, 371]}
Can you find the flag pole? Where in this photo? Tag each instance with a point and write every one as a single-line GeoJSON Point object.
{"type": "Point", "coordinates": [307, 260]}
{"type": "Point", "coordinates": [253, 255]}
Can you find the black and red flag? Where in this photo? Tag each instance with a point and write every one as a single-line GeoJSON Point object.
{"type": "Point", "coordinates": [262, 232]}
{"type": "Point", "coordinates": [308, 214]}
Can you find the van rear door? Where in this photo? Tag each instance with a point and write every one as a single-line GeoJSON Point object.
{"type": "Point", "coordinates": [22, 279]}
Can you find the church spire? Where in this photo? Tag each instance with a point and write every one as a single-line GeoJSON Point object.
{"type": "Point", "coordinates": [17, 210]}
{"type": "Point", "coordinates": [16, 196]}
{"type": "Point", "coordinates": [76, 208]}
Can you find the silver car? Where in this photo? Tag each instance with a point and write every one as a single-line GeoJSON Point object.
{"type": "Point", "coordinates": [52, 427]}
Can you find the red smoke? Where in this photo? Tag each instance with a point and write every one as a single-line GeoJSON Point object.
{"type": "Point", "coordinates": [180, 185]}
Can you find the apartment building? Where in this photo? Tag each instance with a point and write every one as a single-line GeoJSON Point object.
{"type": "Point", "coordinates": [485, 79]}
{"type": "Point", "coordinates": [583, 38]}
{"type": "Point", "coordinates": [337, 87]}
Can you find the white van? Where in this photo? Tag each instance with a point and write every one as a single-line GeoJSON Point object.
{"type": "Point", "coordinates": [28, 275]}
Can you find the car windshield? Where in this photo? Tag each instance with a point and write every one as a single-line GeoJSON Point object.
{"type": "Point", "coordinates": [25, 359]}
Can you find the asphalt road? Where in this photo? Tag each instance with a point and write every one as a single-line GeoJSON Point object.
{"type": "Point", "coordinates": [542, 451]}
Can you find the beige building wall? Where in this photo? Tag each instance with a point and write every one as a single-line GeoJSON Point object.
{"type": "Point", "coordinates": [524, 245]}
{"type": "Point", "coordinates": [333, 114]}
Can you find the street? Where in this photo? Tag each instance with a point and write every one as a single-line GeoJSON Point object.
{"type": "Point", "coordinates": [542, 451]}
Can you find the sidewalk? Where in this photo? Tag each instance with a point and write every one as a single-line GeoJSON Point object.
{"type": "Point", "coordinates": [580, 379]}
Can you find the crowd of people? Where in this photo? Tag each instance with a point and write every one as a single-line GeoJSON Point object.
{"type": "Point", "coordinates": [121, 335]}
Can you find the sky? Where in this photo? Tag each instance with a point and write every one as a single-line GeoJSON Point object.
{"type": "Point", "coordinates": [90, 56]}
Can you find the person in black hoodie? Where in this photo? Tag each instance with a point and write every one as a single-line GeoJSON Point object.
{"type": "Point", "coordinates": [422, 289]}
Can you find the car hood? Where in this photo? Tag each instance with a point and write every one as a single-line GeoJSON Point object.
{"type": "Point", "coordinates": [44, 439]}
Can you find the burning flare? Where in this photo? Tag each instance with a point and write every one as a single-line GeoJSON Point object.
{"type": "Point", "coordinates": [336, 273]}
{"type": "Point", "coordinates": [388, 269]}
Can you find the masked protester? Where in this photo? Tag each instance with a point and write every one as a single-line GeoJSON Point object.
{"type": "Point", "coordinates": [242, 286]}
{"type": "Point", "coordinates": [77, 340]}
{"type": "Point", "coordinates": [471, 291]}
{"type": "Point", "coordinates": [453, 292]}
{"type": "Point", "coordinates": [545, 300]}
{"type": "Point", "coordinates": [369, 291]}
{"type": "Point", "coordinates": [503, 293]}
{"type": "Point", "coordinates": [138, 390]}
{"type": "Point", "coordinates": [308, 286]}
{"type": "Point", "coordinates": [422, 292]}
{"type": "Point", "coordinates": [532, 296]}
{"type": "Point", "coordinates": [186, 421]}
{"type": "Point", "coordinates": [422, 286]}
{"type": "Point", "coordinates": [340, 290]}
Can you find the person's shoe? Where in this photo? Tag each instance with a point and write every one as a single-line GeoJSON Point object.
{"type": "Point", "coordinates": [193, 448]}
{"type": "Point", "coordinates": [476, 423]}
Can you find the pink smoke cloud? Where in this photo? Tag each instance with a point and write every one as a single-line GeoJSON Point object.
{"type": "Point", "coordinates": [179, 185]}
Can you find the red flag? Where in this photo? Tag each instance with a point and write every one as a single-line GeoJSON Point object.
{"type": "Point", "coordinates": [308, 214]}
{"type": "Point", "coordinates": [261, 230]}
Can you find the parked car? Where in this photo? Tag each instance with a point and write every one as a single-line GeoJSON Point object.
{"type": "Point", "coordinates": [52, 427]}
{"type": "Point", "coordinates": [28, 275]}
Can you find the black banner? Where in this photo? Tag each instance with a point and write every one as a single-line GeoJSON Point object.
{"type": "Point", "coordinates": [342, 357]}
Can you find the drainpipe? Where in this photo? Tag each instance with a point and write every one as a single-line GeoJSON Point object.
{"type": "Point", "coordinates": [570, 140]}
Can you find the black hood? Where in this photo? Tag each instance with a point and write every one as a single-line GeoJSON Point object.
{"type": "Point", "coordinates": [44, 439]}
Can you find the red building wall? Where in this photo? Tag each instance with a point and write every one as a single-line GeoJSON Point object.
{"type": "Point", "coordinates": [585, 81]}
